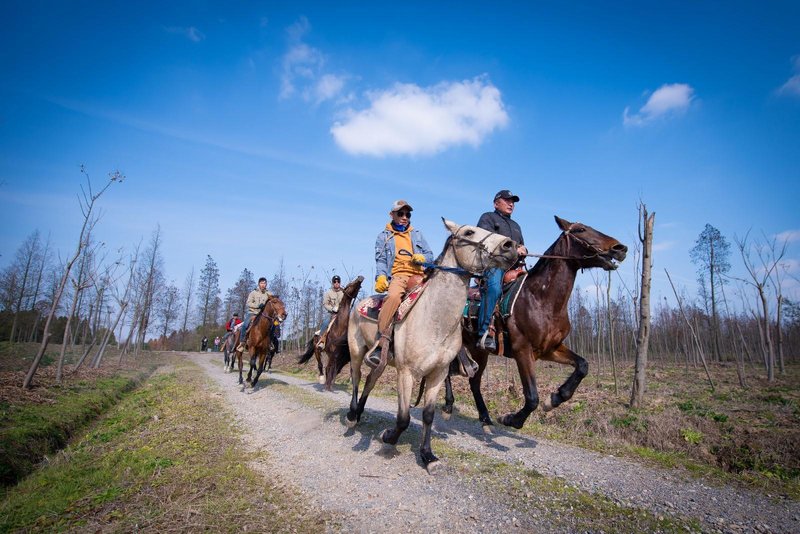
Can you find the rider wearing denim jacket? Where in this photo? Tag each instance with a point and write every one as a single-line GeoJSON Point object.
{"type": "Point", "coordinates": [400, 251]}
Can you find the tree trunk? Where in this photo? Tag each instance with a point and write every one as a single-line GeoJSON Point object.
{"type": "Point", "coordinates": [643, 338]}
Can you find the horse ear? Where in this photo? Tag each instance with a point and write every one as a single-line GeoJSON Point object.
{"type": "Point", "coordinates": [450, 225]}
{"type": "Point", "coordinates": [562, 223]}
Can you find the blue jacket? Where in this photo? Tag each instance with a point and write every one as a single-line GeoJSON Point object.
{"type": "Point", "coordinates": [384, 251]}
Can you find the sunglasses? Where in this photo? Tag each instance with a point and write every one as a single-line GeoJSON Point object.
{"type": "Point", "coordinates": [403, 214]}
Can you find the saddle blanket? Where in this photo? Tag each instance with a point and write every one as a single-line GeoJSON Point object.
{"type": "Point", "coordinates": [370, 307]}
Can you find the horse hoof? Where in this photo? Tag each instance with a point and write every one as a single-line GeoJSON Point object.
{"type": "Point", "coordinates": [351, 423]}
{"type": "Point", "coordinates": [487, 428]}
{"type": "Point", "coordinates": [321, 379]}
{"type": "Point", "coordinates": [433, 467]}
{"type": "Point", "coordinates": [446, 415]}
{"type": "Point", "coordinates": [547, 405]}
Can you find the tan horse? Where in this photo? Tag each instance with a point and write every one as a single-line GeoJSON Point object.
{"type": "Point", "coordinates": [259, 338]}
{"type": "Point", "coordinates": [428, 338]}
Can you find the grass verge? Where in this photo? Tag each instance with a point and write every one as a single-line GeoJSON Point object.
{"type": "Point", "coordinates": [29, 431]}
{"type": "Point", "coordinates": [167, 457]}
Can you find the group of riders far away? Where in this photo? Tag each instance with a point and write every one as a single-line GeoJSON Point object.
{"type": "Point", "coordinates": [256, 301]}
{"type": "Point", "coordinates": [401, 254]}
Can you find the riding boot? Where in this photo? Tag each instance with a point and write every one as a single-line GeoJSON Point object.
{"type": "Point", "coordinates": [242, 343]}
{"type": "Point", "coordinates": [374, 357]}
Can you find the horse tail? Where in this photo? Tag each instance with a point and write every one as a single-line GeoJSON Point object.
{"type": "Point", "coordinates": [308, 353]}
{"type": "Point", "coordinates": [421, 391]}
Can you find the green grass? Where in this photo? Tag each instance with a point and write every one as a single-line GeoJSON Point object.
{"type": "Point", "coordinates": [167, 457]}
{"type": "Point", "coordinates": [30, 431]}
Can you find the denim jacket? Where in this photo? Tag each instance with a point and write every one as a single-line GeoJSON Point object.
{"type": "Point", "coordinates": [385, 253]}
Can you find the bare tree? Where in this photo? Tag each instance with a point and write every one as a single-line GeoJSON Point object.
{"type": "Point", "coordinates": [761, 269]}
{"type": "Point", "coordinates": [237, 295]}
{"type": "Point", "coordinates": [168, 308]}
{"type": "Point", "coordinates": [188, 291]}
{"type": "Point", "coordinates": [84, 280]}
{"type": "Point", "coordinates": [122, 307]}
{"type": "Point", "coordinates": [24, 264]}
{"type": "Point", "coordinates": [643, 339]}
{"type": "Point", "coordinates": [150, 276]}
{"type": "Point", "coordinates": [86, 200]}
{"type": "Point", "coordinates": [696, 339]}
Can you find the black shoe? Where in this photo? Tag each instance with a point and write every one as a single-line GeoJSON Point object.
{"type": "Point", "coordinates": [488, 344]}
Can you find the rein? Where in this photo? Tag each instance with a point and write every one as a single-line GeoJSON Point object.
{"type": "Point", "coordinates": [568, 234]}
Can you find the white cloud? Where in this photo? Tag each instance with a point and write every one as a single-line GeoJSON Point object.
{"type": "Point", "coordinates": [327, 87]}
{"type": "Point", "coordinates": [667, 100]}
{"type": "Point", "coordinates": [409, 120]}
{"type": "Point", "coordinates": [664, 245]}
{"type": "Point", "coordinates": [303, 69]}
{"type": "Point", "coordinates": [792, 85]}
{"type": "Point", "coordinates": [191, 33]}
{"type": "Point", "coordinates": [788, 236]}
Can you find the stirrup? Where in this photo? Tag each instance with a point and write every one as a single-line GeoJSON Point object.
{"type": "Point", "coordinates": [487, 342]}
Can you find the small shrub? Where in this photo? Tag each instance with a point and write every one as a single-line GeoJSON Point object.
{"type": "Point", "coordinates": [690, 436]}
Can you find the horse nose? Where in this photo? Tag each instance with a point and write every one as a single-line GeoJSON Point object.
{"type": "Point", "coordinates": [508, 243]}
{"type": "Point", "coordinates": [619, 247]}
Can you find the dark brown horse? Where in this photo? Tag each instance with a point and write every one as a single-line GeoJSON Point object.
{"type": "Point", "coordinates": [540, 322]}
{"type": "Point", "coordinates": [259, 338]}
{"type": "Point", "coordinates": [336, 340]}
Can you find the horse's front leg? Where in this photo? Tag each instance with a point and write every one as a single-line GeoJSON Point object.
{"type": "Point", "coordinates": [261, 363]}
{"type": "Point", "coordinates": [527, 375]}
{"type": "Point", "coordinates": [239, 359]}
{"type": "Point", "coordinates": [372, 379]}
{"type": "Point", "coordinates": [405, 382]}
{"type": "Point", "coordinates": [252, 368]}
{"type": "Point", "coordinates": [436, 378]}
{"type": "Point", "coordinates": [564, 356]}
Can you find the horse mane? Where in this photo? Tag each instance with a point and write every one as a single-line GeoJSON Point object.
{"type": "Point", "coordinates": [539, 266]}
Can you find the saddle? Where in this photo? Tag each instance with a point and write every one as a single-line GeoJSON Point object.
{"type": "Point", "coordinates": [512, 284]}
{"type": "Point", "coordinates": [371, 307]}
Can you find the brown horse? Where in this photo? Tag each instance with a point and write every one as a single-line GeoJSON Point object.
{"type": "Point", "coordinates": [336, 338]}
{"type": "Point", "coordinates": [540, 322]}
{"type": "Point", "coordinates": [259, 338]}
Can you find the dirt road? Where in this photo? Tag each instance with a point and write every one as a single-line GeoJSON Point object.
{"type": "Point", "coordinates": [375, 488]}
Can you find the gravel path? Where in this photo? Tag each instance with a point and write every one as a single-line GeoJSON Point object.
{"type": "Point", "coordinates": [375, 488]}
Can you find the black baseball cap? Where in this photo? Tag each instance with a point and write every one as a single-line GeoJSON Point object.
{"type": "Point", "coordinates": [336, 279]}
{"type": "Point", "coordinates": [506, 194]}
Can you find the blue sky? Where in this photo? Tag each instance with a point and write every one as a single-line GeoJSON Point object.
{"type": "Point", "coordinates": [258, 131]}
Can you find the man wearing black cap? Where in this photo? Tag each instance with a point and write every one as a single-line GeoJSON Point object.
{"type": "Point", "coordinates": [498, 221]}
{"type": "Point", "coordinates": [331, 301]}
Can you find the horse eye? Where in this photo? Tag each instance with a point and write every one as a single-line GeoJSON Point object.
{"type": "Point", "coordinates": [469, 232]}
{"type": "Point", "coordinates": [578, 230]}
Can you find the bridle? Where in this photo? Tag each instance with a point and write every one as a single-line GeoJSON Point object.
{"type": "Point", "coordinates": [486, 255]}
{"type": "Point", "coordinates": [271, 318]}
{"type": "Point", "coordinates": [598, 252]}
